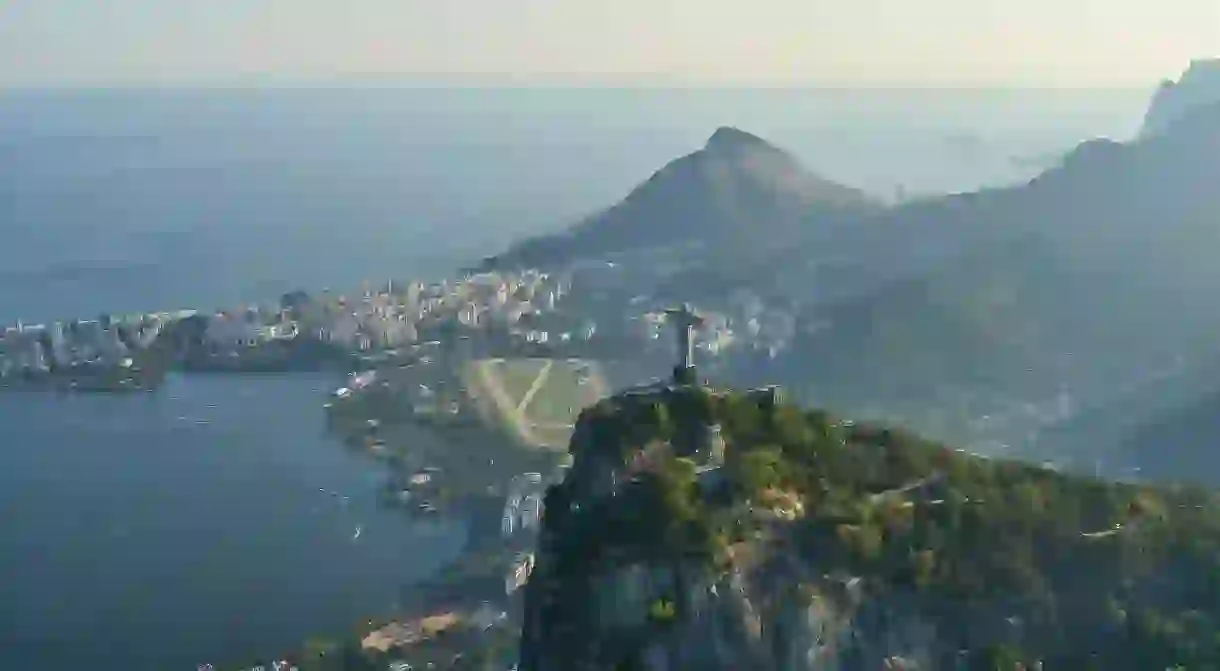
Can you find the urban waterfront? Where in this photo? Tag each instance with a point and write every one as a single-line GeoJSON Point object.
{"type": "Point", "coordinates": [212, 521]}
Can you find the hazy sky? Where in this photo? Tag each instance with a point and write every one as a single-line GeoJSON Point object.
{"type": "Point", "coordinates": [833, 42]}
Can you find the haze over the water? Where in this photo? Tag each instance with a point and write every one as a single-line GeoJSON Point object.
{"type": "Point", "coordinates": [1058, 43]}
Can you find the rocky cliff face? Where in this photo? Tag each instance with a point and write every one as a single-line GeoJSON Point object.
{"type": "Point", "coordinates": [741, 617]}
{"type": "Point", "coordinates": [1198, 87]}
{"type": "Point", "coordinates": [606, 594]}
{"type": "Point", "coordinates": [815, 544]}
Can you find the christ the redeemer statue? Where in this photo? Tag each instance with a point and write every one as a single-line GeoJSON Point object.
{"type": "Point", "coordinates": [684, 321]}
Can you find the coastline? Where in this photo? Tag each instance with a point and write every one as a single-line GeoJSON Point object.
{"type": "Point", "coordinates": [148, 487]}
{"type": "Point", "coordinates": [472, 473]}
{"type": "Point", "coordinates": [482, 448]}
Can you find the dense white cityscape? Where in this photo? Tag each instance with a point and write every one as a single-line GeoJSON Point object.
{"type": "Point", "coordinates": [529, 308]}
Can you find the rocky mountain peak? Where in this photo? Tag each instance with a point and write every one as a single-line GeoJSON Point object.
{"type": "Point", "coordinates": [728, 139]}
{"type": "Point", "coordinates": [736, 189]}
{"type": "Point", "coordinates": [1199, 86]}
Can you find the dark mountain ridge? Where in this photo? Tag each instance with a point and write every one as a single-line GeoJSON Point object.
{"type": "Point", "coordinates": [738, 188]}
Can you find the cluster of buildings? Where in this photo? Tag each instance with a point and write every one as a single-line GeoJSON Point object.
{"type": "Point", "coordinates": [742, 321]}
{"type": "Point", "coordinates": [394, 316]}
{"type": "Point", "coordinates": [397, 315]}
{"type": "Point", "coordinates": [278, 665]}
{"type": "Point", "coordinates": [246, 328]}
{"type": "Point", "coordinates": [712, 337]}
{"type": "Point", "coordinates": [502, 299]}
{"type": "Point", "coordinates": [375, 321]}
{"type": "Point", "coordinates": [511, 308]}
{"type": "Point", "coordinates": [106, 342]}
{"type": "Point", "coordinates": [523, 504]}
{"type": "Point", "coordinates": [523, 307]}
{"type": "Point", "coordinates": [519, 308]}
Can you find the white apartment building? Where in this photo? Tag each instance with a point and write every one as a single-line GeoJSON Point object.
{"type": "Point", "coordinates": [390, 331]}
{"type": "Point", "coordinates": [470, 314]}
{"type": "Point", "coordinates": [343, 329]}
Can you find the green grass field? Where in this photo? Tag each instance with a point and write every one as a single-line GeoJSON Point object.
{"type": "Point", "coordinates": [561, 399]}
{"type": "Point", "coordinates": [518, 375]}
{"type": "Point", "coordinates": [500, 386]}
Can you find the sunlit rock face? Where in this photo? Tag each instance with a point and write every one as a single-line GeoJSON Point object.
{"type": "Point", "coordinates": [619, 626]}
{"type": "Point", "coordinates": [728, 622]}
{"type": "Point", "coordinates": [634, 606]}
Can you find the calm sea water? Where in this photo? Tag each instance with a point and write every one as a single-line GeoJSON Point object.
{"type": "Point", "coordinates": [210, 521]}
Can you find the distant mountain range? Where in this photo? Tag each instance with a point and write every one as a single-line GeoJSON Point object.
{"type": "Point", "coordinates": [1090, 279]}
{"type": "Point", "coordinates": [1089, 276]}
{"type": "Point", "coordinates": [1164, 427]}
{"type": "Point", "coordinates": [1198, 87]}
{"type": "Point", "coordinates": [961, 315]}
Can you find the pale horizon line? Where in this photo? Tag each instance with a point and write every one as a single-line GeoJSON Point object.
{"type": "Point", "coordinates": [476, 81]}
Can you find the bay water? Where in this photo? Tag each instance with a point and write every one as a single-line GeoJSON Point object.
{"type": "Point", "coordinates": [212, 521]}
